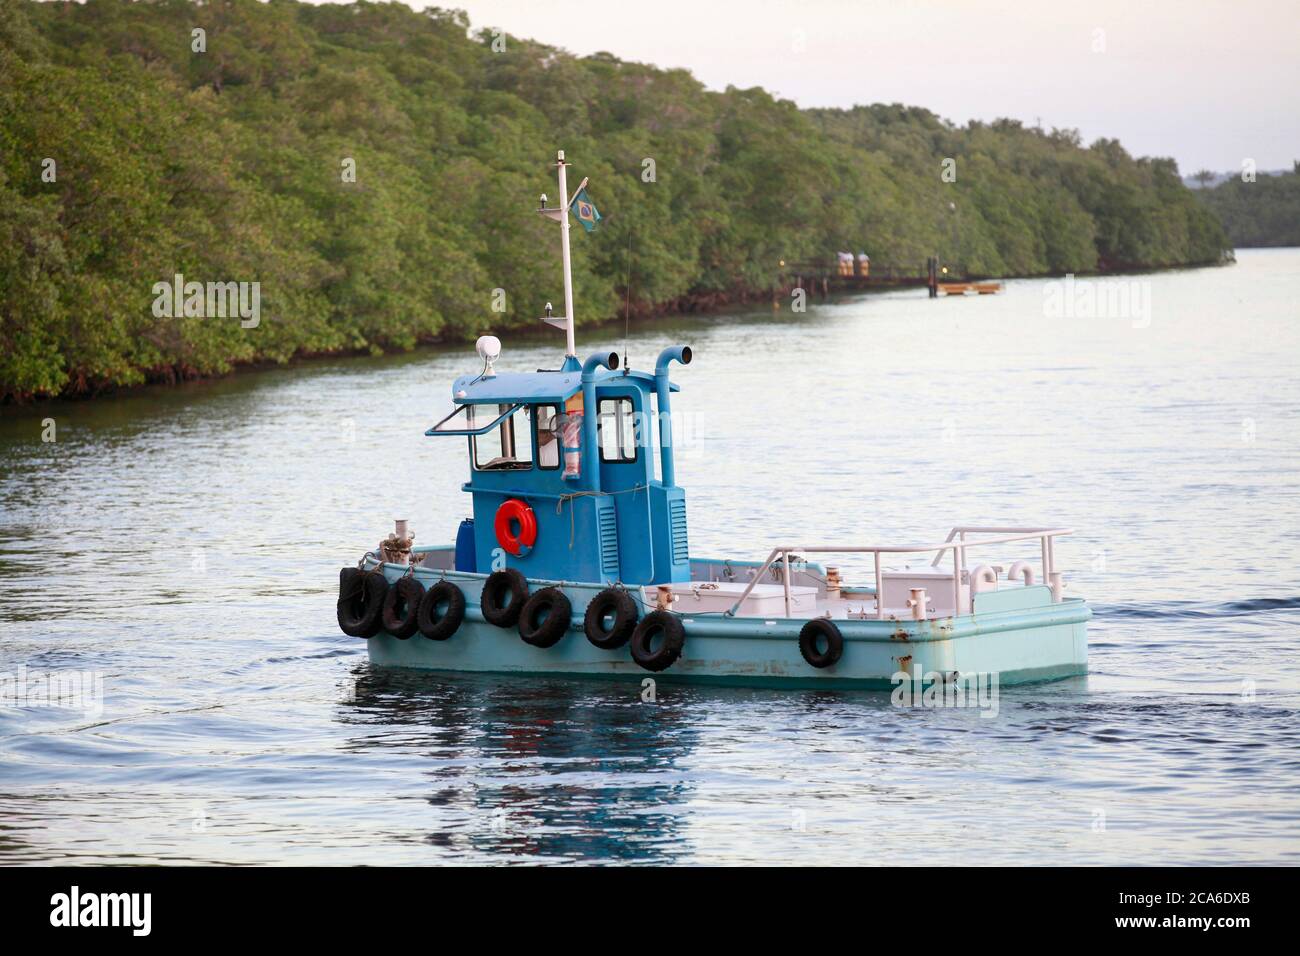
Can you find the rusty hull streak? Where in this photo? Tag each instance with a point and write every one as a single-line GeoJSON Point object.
{"type": "Point", "coordinates": [938, 628]}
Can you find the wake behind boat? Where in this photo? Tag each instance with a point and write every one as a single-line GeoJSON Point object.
{"type": "Point", "coordinates": [576, 560]}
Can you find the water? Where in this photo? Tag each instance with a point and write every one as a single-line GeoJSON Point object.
{"type": "Point", "coordinates": [184, 544]}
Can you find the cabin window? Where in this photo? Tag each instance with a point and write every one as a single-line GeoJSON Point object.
{"type": "Point", "coordinates": [499, 449]}
{"type": "Point", "coordinates": [546, 426]}
{"type": "Point", "coordinates": [616, 429]}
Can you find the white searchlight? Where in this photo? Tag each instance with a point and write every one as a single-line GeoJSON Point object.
{"type": "Point", "coordinates": [489, 350]}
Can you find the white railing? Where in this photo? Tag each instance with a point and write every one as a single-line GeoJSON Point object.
{"type": "Point", "coordinates": [958, 548]}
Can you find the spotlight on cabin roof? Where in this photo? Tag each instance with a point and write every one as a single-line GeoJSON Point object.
{"type": "Point", "coordinates": [489, 350]}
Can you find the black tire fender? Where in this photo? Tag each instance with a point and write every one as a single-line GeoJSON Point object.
{"type": "Point", "coordinates": [361, 602]}
{"type": "Point", "coordinates": [816, 630]}
{"type": "Point", "coordinates": [402, 606]}
{"type": "Point", "coordinates": [428, 622]}
{"type": "Point", "coordinates": [503, 597]}
{"type": "Point", "coordinates": [658, 624]}
{"type": "Point", "coordinates": [545, 617]}
{"type": "Point", "coordinates": [611, 601]}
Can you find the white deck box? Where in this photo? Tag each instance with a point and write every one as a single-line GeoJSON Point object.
{"type": "Point", "coordinates": [898, 585]}
{"type": "Point", "coordinates": [766, 600]}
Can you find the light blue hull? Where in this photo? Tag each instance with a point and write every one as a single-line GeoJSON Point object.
{"type": "Point", "coordinates": [1019, 634]}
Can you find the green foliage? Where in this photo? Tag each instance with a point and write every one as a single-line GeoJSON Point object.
{"type": "Point", "coordinates": [227, 165]}
{"type": "Point", "coordinates": [1263, 213]}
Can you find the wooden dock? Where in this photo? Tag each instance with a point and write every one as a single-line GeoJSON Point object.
{"type": "Point", "coordinates": [823, 277]}
{"type": "Point", "coordinates": [969, 288]}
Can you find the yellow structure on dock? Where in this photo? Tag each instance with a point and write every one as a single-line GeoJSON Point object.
{"type": "Point", "coordinates": [964, 288]}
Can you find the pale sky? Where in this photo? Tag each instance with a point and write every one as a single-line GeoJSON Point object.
{"type": "Point", "coordinates": [1209, 83]}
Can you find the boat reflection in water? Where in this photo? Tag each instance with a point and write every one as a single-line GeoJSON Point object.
{"type": "Point", "coordinates": [532, 768]}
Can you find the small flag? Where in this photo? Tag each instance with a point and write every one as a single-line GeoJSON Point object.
{"type": "Point", "coordinates": [585, 210]}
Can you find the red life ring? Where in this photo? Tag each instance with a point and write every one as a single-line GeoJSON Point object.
{"type": "Point", "coordinates": [515, 511]}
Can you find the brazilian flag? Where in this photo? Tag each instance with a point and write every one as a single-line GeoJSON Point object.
{"type": "Point", "coordinates": [585, 210]}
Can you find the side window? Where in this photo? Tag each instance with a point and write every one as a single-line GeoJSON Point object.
{"type": "Point", "coordinates": [499, 449]}
{"type": "Point", "coordinates": [616, 429]}
{"type": "Point", "coordinates": [547, 428]}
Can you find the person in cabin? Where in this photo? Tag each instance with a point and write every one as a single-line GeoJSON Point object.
{"type": "Point", "coordinates": [560, 433]}
{"type": "Point", "coordinates": [548, 436]}
{"type": "Point", "coordinates": [571, 436]}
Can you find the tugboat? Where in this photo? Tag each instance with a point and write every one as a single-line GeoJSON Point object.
{"type": "Point", "coordinates": [577, 562]}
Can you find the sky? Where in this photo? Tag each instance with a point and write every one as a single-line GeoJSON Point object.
{"type": "Point", "coordinates": [1209, 83]}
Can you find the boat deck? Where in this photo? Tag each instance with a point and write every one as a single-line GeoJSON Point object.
{"type": "Point", "coordinates": [720, 584]}
{"type": "Point", "coordinates": [717, 585]}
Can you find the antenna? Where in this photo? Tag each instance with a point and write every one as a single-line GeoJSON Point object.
{"type": "Point", "coordinates": [560, 214]}
{"type": "Point", "coordinates": [571, 349]}
{"type": "Point", "coordinates": [627, 298]}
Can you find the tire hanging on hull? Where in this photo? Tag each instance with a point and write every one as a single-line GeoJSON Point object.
{"type": "Point", "coordinates": [440, 627]}
{"type": "Point", "coordinates": [360, 605]}
{"type": "Point", "coordinates": [665, 628]}
{"type": "Point", "coordinates": [810, 637]}
{"type": "Point", "coordinates": [401, 607]}
{"type": "Point", "coordinates": [545, 617]}
{"type": "Point", "coordinates": [617, 606]}
{"type": "Point", "coordinates": [503, 597]}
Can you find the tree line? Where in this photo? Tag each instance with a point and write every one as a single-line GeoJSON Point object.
{"type": "Point", "coordinates": [1263, 211]}
{"type": "Point", "coordinates": [375, 170]}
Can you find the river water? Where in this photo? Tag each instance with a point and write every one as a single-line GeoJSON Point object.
{"type": "Point", "coordinates": [182, 545]}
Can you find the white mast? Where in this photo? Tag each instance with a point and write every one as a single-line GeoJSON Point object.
{"type": "Point", "coordinates": [570, 348]}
